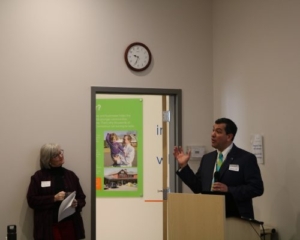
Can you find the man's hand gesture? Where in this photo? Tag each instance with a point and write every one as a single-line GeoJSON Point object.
{"type": "Point", "coordinates": [182, 158]}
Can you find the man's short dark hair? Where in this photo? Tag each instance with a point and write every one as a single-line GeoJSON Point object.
{"type": "Point", "coordinates": [230, 127]}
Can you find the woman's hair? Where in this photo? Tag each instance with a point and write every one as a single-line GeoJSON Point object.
{"type": "Point", "coordinates": [47, 152]}
{"type": "Point", "coordinates": [113, 136]}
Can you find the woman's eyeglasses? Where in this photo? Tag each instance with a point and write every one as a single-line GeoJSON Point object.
{"type": "Point", "coordinates": [61, 153]}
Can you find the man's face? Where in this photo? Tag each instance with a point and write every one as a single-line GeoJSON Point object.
{"type": "Point", "coordinates": [219, 139]}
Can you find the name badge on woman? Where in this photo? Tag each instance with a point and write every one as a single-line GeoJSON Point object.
{"type": "Point", "coordinates": [45, 183]}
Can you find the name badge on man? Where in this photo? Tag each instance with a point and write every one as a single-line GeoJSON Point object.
{"type": "Point", "coordinates": [45, 183]}
{"type": "Point", "coordinates": [234, 167]}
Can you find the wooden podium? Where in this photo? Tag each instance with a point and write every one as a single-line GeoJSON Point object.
{"type": "Point", "coordinates": [203, 217]}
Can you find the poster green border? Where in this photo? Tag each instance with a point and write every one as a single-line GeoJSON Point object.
{"type": "Point", "coordinates": [120, 115]}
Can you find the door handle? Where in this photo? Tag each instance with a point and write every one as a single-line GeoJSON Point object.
{"type": "Point", "coordinates": [165, 193]}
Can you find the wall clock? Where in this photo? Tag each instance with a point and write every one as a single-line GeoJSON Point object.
{"type": "Point", "coordinates": [137, 56]}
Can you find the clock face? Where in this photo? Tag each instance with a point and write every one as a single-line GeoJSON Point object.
{"type": "Point", "coordinates": [137, 56]}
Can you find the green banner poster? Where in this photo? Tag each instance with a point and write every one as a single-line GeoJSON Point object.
{"type": "Point", "coordinates": [119, 147]}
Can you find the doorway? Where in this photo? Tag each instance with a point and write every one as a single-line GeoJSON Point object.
{"type": "Point", "coordinates": [129, 198]}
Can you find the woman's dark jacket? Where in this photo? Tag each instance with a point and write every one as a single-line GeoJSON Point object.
{"type": "Point", "coordinates": [40, 197]}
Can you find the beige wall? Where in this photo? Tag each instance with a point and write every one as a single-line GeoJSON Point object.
{"type": "Point", "coordinates": [256, 59]}
{"type": "Point", "coordinates": [52, 52]}
{"type": "Point", "coordinates": [232, 58]}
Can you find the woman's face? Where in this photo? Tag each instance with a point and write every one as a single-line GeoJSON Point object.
{"type": "Point", "coordinates": [125, 140]}
{"type": "Point", "coordinates": [58, 160]}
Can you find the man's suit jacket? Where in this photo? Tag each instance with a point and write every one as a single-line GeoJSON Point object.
{"type": "Point", "coordinates": [239, 171]}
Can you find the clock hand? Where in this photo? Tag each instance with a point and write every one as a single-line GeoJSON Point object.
{"type": "Point", "coordinates": [137, 58]}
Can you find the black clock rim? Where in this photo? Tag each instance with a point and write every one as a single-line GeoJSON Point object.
{"type": "Point", "coordinates": [126, 60]}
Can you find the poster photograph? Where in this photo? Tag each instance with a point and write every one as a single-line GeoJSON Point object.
{"type": "Point", "coordinates": [120, 148]}
{"type": "Point", "coordinates": [120, 179]}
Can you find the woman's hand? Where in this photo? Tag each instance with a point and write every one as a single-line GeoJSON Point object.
{"type": "Point", "coordinates": [59, 196]}
{"type": "Point", "coordinates": [74, 203]}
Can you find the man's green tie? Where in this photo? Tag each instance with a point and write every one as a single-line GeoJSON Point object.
{"type": "Point", "coordinates": [218, 166]}
{"type": "Point", "coordinates": [219, 162]}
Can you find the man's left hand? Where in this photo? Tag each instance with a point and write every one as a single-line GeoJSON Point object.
{"type": "Point", "coordinates": [220, 187]}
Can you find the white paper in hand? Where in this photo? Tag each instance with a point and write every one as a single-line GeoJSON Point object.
{"type": "Point", "coordinates": [65, 208]}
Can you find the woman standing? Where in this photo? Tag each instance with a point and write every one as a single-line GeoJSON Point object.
{"type": "Point", "coordinates": [47, 189]}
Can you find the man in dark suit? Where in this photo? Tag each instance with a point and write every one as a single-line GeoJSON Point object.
{"type": "Point", "coordinates": [239, 174]}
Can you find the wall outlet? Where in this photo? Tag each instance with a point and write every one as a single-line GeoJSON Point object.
{"type": "Point", "coordinates": [197, 152]}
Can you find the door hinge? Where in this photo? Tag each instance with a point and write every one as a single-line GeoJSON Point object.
{"type": "Point", "coordinates": [166, 116]}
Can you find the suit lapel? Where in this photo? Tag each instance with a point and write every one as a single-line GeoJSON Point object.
{"type": "Point", "coordinates": [209, 171]}
{"type": "Point", "coordinates": [212, 162]}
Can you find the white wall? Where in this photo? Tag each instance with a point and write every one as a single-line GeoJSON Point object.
{"type": "Point", "coordinates": [52, 52]}
{"type": "Point", "coordinates": [256, 59]}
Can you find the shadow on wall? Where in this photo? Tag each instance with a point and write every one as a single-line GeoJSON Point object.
{"type": "Point", "coordinates": [297, 235]}
{"type": "Point", "coordinates": [26, 222]}
{"type": "Point", "coordinates": [285, 207]}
